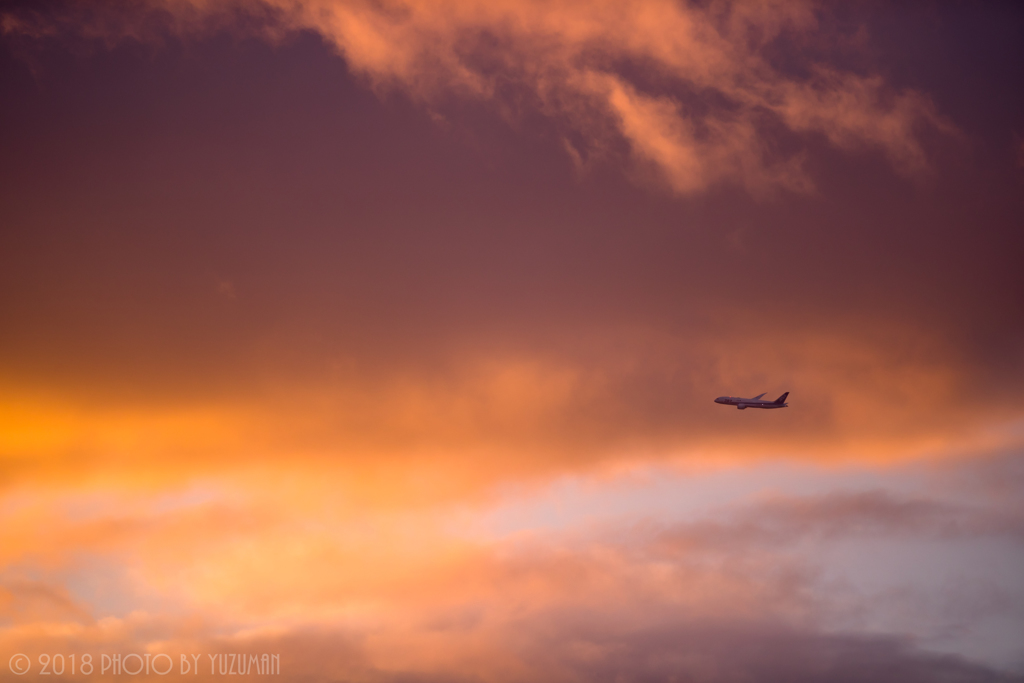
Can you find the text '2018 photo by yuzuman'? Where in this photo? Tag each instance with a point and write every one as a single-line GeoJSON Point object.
{"type": "Point", "coordinates": [512, 341]}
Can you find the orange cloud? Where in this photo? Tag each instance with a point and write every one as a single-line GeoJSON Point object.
{"type": "Point", "coordinates": [700, 116]}
{"type": "Point", "coordinates": [371, 596]}
{"type": "Point", "coordinates": [485, 415]}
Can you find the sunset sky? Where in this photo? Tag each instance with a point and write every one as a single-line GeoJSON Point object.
{"type": "Point", "coordinates": [383, 335]}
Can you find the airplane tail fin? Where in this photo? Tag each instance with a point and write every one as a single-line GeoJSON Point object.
{"type": "Point", "coordinates": [782, 399]}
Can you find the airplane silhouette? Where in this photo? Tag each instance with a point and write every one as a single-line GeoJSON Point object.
{"type": "Point", "coordinates": [756, 402]}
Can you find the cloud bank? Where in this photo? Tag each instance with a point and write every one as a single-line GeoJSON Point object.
{"type": "Point", "coordinates": [742, 589]}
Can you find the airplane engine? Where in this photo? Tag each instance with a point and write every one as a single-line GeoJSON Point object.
{"type": "Point", "coordinates": [741, 406]}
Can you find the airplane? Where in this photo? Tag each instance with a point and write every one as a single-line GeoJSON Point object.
{"type": "Point", "coordinates": [756, 402]}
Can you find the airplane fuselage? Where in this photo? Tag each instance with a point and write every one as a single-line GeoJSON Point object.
{"type": "Point", "coordinates": [757, 402]}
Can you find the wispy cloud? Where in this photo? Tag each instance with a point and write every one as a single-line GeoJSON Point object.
{"type": "Point", "coordinates": [695, 92]}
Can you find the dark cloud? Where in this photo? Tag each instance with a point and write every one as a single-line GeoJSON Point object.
{"type": "Point", "coordinates": [579, 647]}
{"type": "Point", "coordinates": [586, 647]}
{"type": "Point", "coordinates": [782, 522]}
{"type": "Point", "coordinates": [763, 652]}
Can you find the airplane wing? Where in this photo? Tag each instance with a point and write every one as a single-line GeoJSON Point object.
{"type": "Point", "coordinates": [758, 396]}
